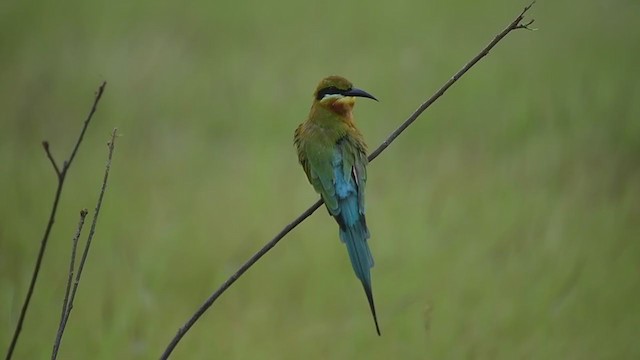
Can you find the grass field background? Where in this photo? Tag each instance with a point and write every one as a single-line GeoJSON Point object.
{"type": "Point", "coordinates": [505, 222]}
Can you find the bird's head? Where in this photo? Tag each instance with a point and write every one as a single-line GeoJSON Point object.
{"type": "Point", "coordinates": [337, 94]}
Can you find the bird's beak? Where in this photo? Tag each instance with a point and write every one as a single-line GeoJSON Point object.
{"type": "Point", "coordinates": [359, 93]}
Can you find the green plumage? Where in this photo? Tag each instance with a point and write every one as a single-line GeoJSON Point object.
{"type": "Point", "coordinates": [334, 157]}
{"type": "Point", "coordinates": [316, 142]}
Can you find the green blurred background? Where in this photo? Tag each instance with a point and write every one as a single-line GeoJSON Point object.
{"type": "Point", "coordinates": [505, 222]}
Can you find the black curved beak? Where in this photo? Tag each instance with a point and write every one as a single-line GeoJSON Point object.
{"type": "Point", "coordinates": [359, 93]}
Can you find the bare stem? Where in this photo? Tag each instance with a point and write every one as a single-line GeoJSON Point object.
{"type": "Point", "coordinates": [85, 253]}
{"type": "Point", "coordinates": [94, 107]}
{"type": "Point", "coordinates": [45, 145]}
{"type": "Point", "coordinates": [514, 25]}
{"type": "Point", "coordinates": [65, 302]}
{"type": "Point", "coordinates": [54, 209]}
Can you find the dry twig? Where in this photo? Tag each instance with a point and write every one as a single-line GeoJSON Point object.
{"type": "Point", "coordinates": [68, 304]}
{"type": "Point", "coordinates": [65, 302]}
{"type": "Point", "coordinates": [514, 25]}
{"type": "Point", "coordinates": [61, 175]}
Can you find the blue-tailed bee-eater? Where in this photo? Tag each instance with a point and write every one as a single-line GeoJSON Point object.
{"type": "Point", "coordinates": [333, 155]}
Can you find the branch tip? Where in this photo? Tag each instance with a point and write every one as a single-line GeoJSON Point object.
{"type": "Point", "coordinates": [66, 305]}
{"type": "Point", "coordinates": [526, 8]}
{"type": "Point", "coordinates": [526, 25]}
{"type": "Point", "coordinates": [45, 145]}
{"type": "Point", "coordinates": [100, 90]}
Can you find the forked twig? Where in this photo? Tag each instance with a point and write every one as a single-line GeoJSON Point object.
{"type": "Point", "coordinates": [514, 25]}
{"type": "Point", "coordinates": [45, 145]}
{"type": "Point", "coordinates": [61, 175]}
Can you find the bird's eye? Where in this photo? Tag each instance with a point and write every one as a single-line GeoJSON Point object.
{"type": "Point", "coordinates": [331, 90]}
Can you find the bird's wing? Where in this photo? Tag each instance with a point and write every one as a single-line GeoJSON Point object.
{"type": "Point", "coordinates": [354, 166]}
{"type": "Point", "coordinates": [339, 173]}
{"type": "Point", "coordinates": [322, 178]}
{"type": "Point", "coordinates": [346, 160]}
{"type": "Point", "coordinates": [315, 159]}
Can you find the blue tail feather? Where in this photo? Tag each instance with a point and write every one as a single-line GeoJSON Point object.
{"type": "Point", "coordinates": [355, 238]}
{"type": "Point", "coordinates": [353, 228]}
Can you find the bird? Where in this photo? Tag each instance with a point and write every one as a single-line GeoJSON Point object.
{"type": "Point", "coordinates": [333, 154]}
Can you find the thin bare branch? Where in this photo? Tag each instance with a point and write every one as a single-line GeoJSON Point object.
{"type": "Point", "coordinates": [62, 173]}
{"type": "Point", "coordinates": [87, 246]}
{"type": "Point", "coordinates": [94, 107]}
{"type": "Point", "coordinates": [526, 25]}
{"type": "Point", "coordinates": [65, 302]}
{"type": "Point", "coordinates": [207, 304]}
{"type": "Point", "coordinates": [45, 145]}
{"type": "Point", "coordinates": [514, 25]}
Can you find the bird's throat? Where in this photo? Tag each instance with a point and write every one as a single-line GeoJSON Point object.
{"type": "Point", "coordinates": [344, 106]}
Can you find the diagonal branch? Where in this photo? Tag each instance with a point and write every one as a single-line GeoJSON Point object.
{"type": "Point", "coordinates": [514, 25]}
{"type": "Point", "coordinates": [94, 107]}
{"type": "Point", "coordinates": [69, 304]}
{"type": "Point", "coordinates": [61, 174]}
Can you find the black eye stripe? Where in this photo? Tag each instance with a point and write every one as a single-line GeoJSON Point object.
{"type": "Point", "coordinates": [329, 91]}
